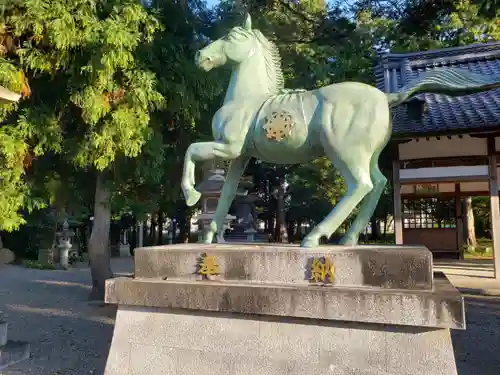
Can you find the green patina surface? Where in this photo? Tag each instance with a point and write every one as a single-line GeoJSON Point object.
{"type": "Point", "coordinates": [347, 122]}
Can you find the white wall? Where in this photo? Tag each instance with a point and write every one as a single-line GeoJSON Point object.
{"type": "Point", "coordinates": [444, 147]}
{"type": "Point", "coordinates": [440, 172]}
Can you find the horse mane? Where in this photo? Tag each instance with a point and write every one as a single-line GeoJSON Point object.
{"type": "Point", "coordinates": [272, 60]}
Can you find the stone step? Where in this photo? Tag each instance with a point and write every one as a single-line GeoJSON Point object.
{"type": "Point", "coordinates": [441, 307]}
{"type": "Point", "coordinates": [245, 237]}
{"type": "Point", "coordinates": [387, 267]}
{"type": "Point", "coordinates": [3, 333]}
{"type": "Point", "coordinates": [13, 352]}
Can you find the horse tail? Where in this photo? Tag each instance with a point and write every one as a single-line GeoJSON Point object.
{"type": "Point", "coordinates": [448, 81]}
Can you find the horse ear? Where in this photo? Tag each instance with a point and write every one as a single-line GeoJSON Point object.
{"type": "Point", "coordinates": [247, 25]}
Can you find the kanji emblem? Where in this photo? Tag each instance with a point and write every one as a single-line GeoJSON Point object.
{"type": "Point", "coordinates": [322, 270]}
{"type": "Point", "coordinates": [278, 125]}
{"type": "Point", "coordinates": [208, 265]}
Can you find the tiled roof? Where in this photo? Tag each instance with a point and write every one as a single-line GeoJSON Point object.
{"type": "Point", "coordinates": [445, 114]}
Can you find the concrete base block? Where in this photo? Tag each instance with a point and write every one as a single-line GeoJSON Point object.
{"type": "Point", "coordinates": [386, 267]}
{"type": "Point", "coordinates": [154, 341]}
{"type": "Point", "coordinates": [13, 352]}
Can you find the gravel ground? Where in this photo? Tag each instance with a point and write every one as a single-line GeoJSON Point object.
{"type": "Point", "coordinates": [50, 310]}
{"type": "Point", "coordinates": [69, 336]}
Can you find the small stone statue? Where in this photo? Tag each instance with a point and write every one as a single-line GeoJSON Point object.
{"type": "Point", "coordinates": [348, 122]}
{"type": "Point", "coordinates": [65, 245]}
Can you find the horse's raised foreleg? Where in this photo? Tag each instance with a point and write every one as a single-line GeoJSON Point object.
{"type": "Point", "coordinates": [202, 151]}
{"type": "Point", "coordinates": [368, 205]}
{"type": "Point", "coordinates": [356, 172]}
{"type": "Point", "coordinates": [229, 189]}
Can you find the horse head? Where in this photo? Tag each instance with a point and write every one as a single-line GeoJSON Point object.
{"type": "Point", "coordinates": [8, 96]}
{"type": "Point", "coordinates": [237, 46]}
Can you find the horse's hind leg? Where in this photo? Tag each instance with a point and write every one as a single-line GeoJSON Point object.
{"type": "Point", "coordinates": [368, 205]}
{"type": "Point", "coordinates": [228, 193]}
{"type": "Point", "coordinates": [354, 166]}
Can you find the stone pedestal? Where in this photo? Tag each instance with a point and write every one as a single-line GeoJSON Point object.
{"type": "Point", "coordinates": [11, 352]}
{"type": "Point", "coordinates": [382, 312]}
{"type": "Point", "coordinates": [6, 256]}
{"type": "Point", "coordinates": [47, 256]}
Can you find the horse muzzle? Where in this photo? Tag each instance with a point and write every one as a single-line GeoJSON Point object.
{"type": "Point", "coordinates": [203, 62]}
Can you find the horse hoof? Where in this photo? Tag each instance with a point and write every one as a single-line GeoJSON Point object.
{"type": "Point", "coordinates": [192, 197]}
{"type": "Point", "coordinates": [348, 241]}
{"type": "Point", "coordinates": [208, 238]}
{"type": "Point", "coordinates": [309, 242]}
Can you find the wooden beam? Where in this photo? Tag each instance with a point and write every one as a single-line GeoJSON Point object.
{"type": "Point", "coordinates": [446, 161]}
{"type": "Point", "coordinates": [398, 222]}
{"type": "Point", "coordinates": [488, 135]}
{"type": "Point", "coordinates": [494, 206]}
{"type": "Point", "coordinates": [446, 194]}
{"type": "Point", "coordinates": [442, 180]}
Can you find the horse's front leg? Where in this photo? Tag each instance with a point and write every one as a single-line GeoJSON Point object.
{"type": "Point", "coordinates": [228, 193]}
{"type": "Point", "coordinates": [202, 151]}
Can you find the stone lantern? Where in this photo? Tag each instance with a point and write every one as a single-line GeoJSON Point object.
{"type": "Point", "coordinates": [244, 208]}
{"type": "Point", "coordinates": [64, 246]}
{"type": "Point", "coordinates": [210, 190]}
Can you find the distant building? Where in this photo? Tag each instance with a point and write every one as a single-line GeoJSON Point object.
{"type": "Point", "coordinates": [452, 153]}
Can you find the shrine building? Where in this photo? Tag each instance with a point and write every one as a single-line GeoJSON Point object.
{"type": "Point", "coordinates": [451, 154]}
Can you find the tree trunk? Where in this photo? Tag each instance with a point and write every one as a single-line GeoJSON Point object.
{"type": "Point", "coordinates": [375, 235]}
{"type": "Point", "coordinates": [182, 223]}
{"type": "Point", "coordinates": [153, 234]}
{"type": "Point", "coordinates": [280, 231]}
{"type": "Point", "coordinates": [144, 233]}
{"type": "Point", "coordinates": [161, 224]}
{"type": "Point", "coordinates": [469, 223]}
{"type": "Point", "coordinates": [291, 229]}
{"type": "Point", "coordinates": [132, 238]}
{"type": "Point", "coordinates": [99, 240]}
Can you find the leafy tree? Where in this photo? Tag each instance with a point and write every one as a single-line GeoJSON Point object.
{"type": "Point", "coordinates": [193, 95]}
{"type": "Point", "coordinates": [91, 98]}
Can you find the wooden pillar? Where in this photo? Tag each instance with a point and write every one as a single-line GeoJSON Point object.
{"type": "Point", "coordinates": [398, 222]}
{"type": "Point", "coordinates": [494, 205]}
{"type": "Point", "coordinates": [459, 218]}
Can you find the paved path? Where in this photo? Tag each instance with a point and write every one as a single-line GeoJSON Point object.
{"type": "Point", "coordinates": [469, 267]}
{"type": "Point", "coordinates": [49, 309]}
{"type": "Point", "coordinates": [70, 337]}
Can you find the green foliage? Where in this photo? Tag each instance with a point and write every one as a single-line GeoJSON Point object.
{"type": "Point", "coordinates": [93, 45]}
{"type": "Point", "coordinates": [482, 216]}
{"type": "Point", "coordinates": [315, 188]}
{"type": "Point", "coordinates": [37, 265]}
{"type": "Point", "coordinates": [111, 86]}
{"type": "Point", "coordinates": [37, 233]}
{"type": "Point", "coordinates": [416, 25]}
{"type": "Point", "coordinates": [92, 96]}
